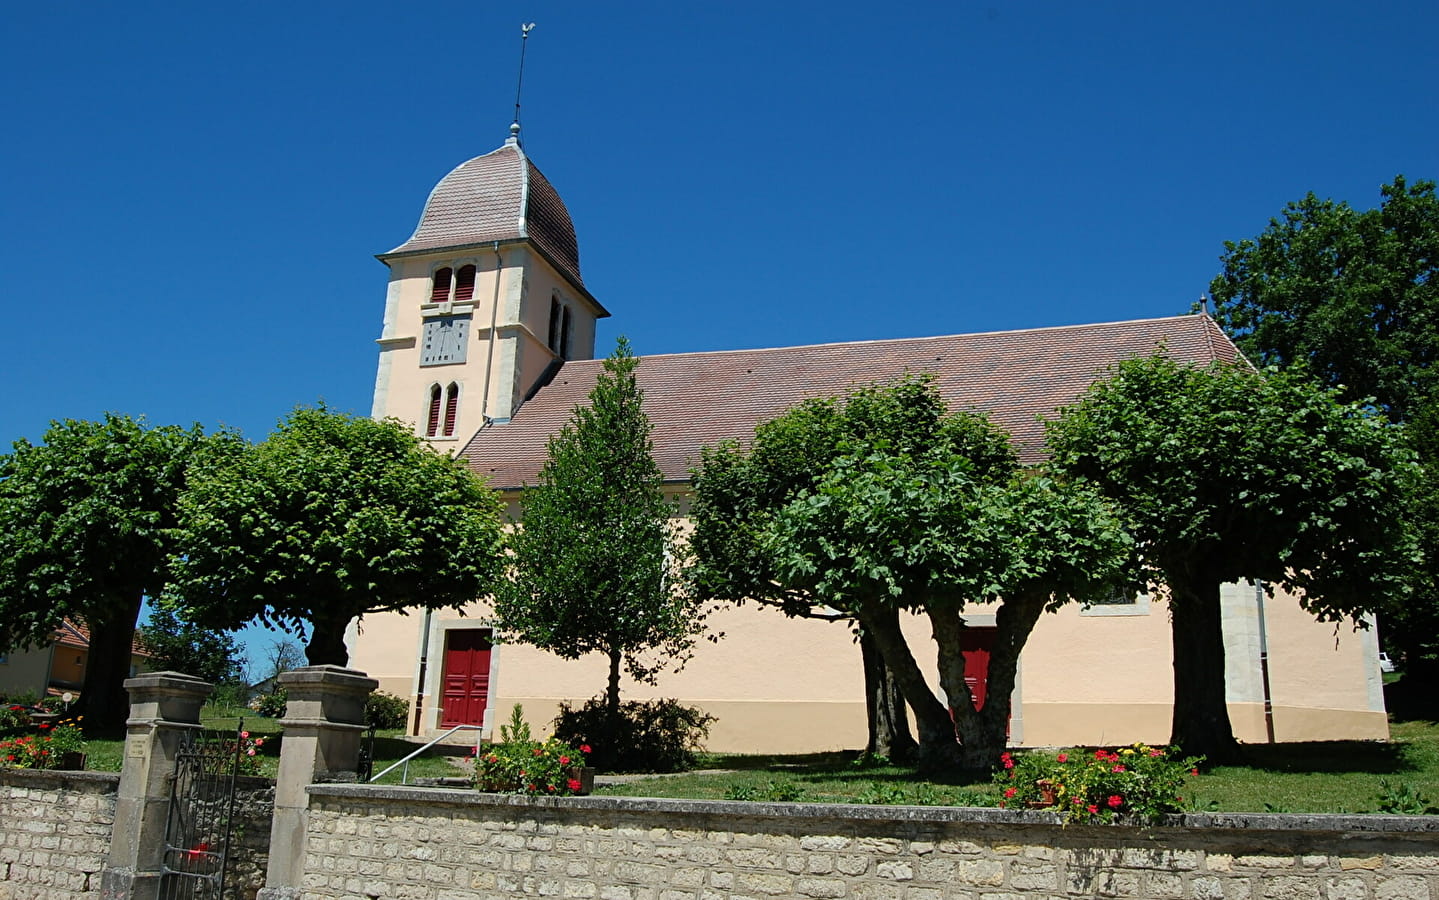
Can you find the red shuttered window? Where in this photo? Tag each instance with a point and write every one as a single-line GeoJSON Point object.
{"type": "Point", "coordinates": [432, 421]}
{"type": "Point", "coordinates": [440, 291]}
{"type": "Point", "coordinates": [452, 408]}
{"type": "Point", "coordinates": [465, 284]}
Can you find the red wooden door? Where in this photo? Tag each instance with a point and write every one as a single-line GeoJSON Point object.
{"type": "Point", "coordinates": [466, 676]}
{"type": "Point", "coordinates": [975, 644]}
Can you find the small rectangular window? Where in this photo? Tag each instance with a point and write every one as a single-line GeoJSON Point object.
{"type": "Point", "coordinates": [445, 340]}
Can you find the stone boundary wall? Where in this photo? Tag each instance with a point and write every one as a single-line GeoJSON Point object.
{"type": "Point", "coordinates": [54, 832]}
{"type": "Point", "coordinates": [418, 844]}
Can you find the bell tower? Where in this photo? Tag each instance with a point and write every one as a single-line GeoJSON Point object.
{"type": "Point", "coordinates": [484, 299]}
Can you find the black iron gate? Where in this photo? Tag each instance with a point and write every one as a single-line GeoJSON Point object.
{"type": "Point", "coordinates": [202, 812]}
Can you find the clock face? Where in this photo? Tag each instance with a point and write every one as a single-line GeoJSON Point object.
{"type": "Point", "coordinates": [444, 340]}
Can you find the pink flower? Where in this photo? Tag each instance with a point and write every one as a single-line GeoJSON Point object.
{"type": "Point", "coordinates": [244, 734]}
{"type": "Point", "coordinates": [250, 752]}
{"type": "Point", "coordinates": [1115, 801]}
{"type": "Point", "coordinates": [1092, 809]}
{"type": "Point", "coordinates": [1156, 752]}
{"type": "Point", "coordinates": [564, 760]}
{"type": "Point", "coordinates": [1117, 769]}
{"type": "Point", "coordinates": [584, 748]}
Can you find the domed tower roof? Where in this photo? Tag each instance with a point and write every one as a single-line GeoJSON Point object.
{"type": "Point", "coordinates": [501, 196]}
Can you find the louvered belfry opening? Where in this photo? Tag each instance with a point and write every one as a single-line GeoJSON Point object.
{"type": "Point", "coordinates": [440, 292]}
{"type": "Point", "coordinates": [452, 408]}
{"type": "Point", "coordinates": [465, 284]}
{"type": "Point", "coordinates": [432, 421]}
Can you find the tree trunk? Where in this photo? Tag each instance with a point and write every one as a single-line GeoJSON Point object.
{"type": "Point", "coordinates": [103, 700]}
{"type": "Point", "coordinates": [885, 711]}
{"type": "Point", "coordinates": [327, 643]}
{"type": "Point", "coordinates": [612, 692]}
{"type": "Point", "coordinates": [937, 746]}
{"type": "Point", "coordinates": [989, 735]}
{"type": "Point", "coordinates": [1201, 718]}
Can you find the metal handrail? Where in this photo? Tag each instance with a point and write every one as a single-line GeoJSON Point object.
{"type": "Point", "coordinates": [405, 776]}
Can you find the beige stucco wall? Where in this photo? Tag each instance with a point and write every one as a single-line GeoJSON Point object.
{"type": "Point", "coordinates": [789, 685]}
{"type": "Point", "coordinates": [25, 671]}
{"type": "Point", "coordinates": [509, 323]}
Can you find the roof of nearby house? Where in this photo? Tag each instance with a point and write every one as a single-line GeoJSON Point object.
{"type": "Point", "coordinates": [698, 399]}
{"type": "Point", "coordinates": [75, 633]}
{"type": "Point", "coordinates": [497, 197]}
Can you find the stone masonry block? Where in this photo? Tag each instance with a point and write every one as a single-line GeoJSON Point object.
{"type": "Point", "coordinates": [1402, 887]}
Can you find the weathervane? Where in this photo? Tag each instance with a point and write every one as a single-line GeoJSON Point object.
{"type": "Point", "coordinates": [520, 82]}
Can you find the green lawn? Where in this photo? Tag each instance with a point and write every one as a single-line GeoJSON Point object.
{"type": "Point", "coordinates": [105, 754]}
{"type": "Point", "coordinates": [1339, 776]}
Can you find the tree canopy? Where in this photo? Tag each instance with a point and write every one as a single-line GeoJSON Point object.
{"type": "Point", "coordinates": [331, 518]}
{"type": "Point", "coordinates": [87, 520]}
{"type": "Point", "coordinates": [178, 645]}
{"type": "Point", "coordinates": [1226, 473]}
{"type": "Point", "coordinates": [591, 558]}
{"type": "Point", "coordinates": [1353, 294]}
{"type": "Point", "coordinates": [916, 509]}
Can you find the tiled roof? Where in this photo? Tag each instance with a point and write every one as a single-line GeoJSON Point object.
{"type": "Point", "coordinates": [698, 399]}
{"type": "Point", "coordinates": [500, 196]}
{"type": "Point", "coordinates": [75, 633]}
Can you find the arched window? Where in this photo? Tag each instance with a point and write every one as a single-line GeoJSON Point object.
{"type": "Point", "coordinates": [440, 290]}
{"type": "Point", "coordinates": [432, 421]}
{"type": "Point", "coordinates": [452, 408]}
{"type": "Point", "coordinates": [465, 284]}
{"type": "Point", "coordinates": [554, 336]}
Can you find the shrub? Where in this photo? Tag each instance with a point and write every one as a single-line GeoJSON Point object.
{"type": "Point", "coordinates": [642, 736]}
{"type": "Point", "coordinates": [271, 705]}
{"type": "Point", "coordinates": [230, 695]}
{"type": "Point", "coordinates": [384, 710]}
{"type": "Point", "coordinates": [12, 716]}
{"type": "Point", "coordinates": [1136, 784]}
{"type": "Point", "coordinates": [520, 764]}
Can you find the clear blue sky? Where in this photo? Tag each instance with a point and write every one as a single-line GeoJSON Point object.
{"type": "Point", "coordinates": [193, 192]}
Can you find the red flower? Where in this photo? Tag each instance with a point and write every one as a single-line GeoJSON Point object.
{"type": "Point", "coordinates": [584, 748]}
{"type": "Point", "coordinates": [1063, 757]}
{"type": "Point", "coordinates": [573, 784]}
{"type": "Point", "coordinates": [1093, 810]}
{"type": "Point", "coordinates": [1010, 792]}
{"type": "Point", "coordinates": [533, 788]}
{"type": "Point", "coordinates": [1101, 755]}
{"type": "Point", "coordinates": [1115, 801]}
{"type": "Point", "coordinates": [44, 725]}
{"type": "Point", "coordinates": [537, 751]}
{"type": "Point", "coordinates": [1194, 771]}
{"type": "Point", "coordinates": [1117, 769]}
{"type": "Point", "coordinates": [1007, 760]}
{"type": "Point", "coordinates": [564, 760]}
{"type": "Point", "coordinates": [1156, 752]}
{"type": "Point", "coordinates": [1001, 804]}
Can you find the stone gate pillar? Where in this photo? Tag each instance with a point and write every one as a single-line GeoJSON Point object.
{"type": "Point", "coordinates": [163, 706]}
{"type": "Point", "coordinates": [324, 719]}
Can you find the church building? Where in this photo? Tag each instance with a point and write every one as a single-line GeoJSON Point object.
{"type": "Point", "coordinates": [488, 344]}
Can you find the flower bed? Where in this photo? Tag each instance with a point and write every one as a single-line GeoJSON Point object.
{"type": "Point", "coordinates": [1138, 784]}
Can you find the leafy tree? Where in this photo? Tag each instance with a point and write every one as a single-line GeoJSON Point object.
{"type": "Point", "coordinates": [591, 569]}
{"type": "Point", "coordinates": [1225, 474]}
{"type": "Point", "coordinates": [914, 509]}
{"type": "Point", "coordinates": [1355, 296]}
{"type": "Point", "coordinates": [331, 518]}
{"type": "Point", "coordinates": [178, 645]}
{"type": "Point", "coordinates": [87, 518]}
